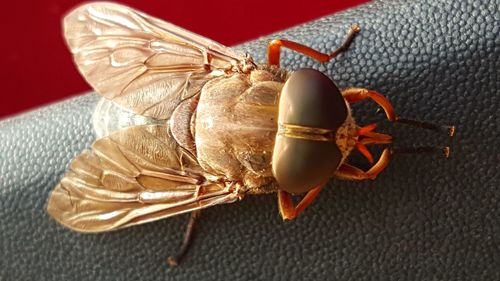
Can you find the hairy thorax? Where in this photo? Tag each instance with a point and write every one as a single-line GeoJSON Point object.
{"type": "Point", "coordinates": [236, 125]}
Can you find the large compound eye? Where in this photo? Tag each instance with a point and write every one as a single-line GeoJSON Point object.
{"type": "Point", "coordinates": [309, 100]}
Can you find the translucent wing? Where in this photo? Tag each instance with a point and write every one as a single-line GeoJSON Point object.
{"type": "Point", "coordinates": [140, 62]}
{"type": "Point", "coordinates": [134, 176]}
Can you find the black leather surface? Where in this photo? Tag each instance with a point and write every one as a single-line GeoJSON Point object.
{"type": "Point", "coordinates": [424, 218]}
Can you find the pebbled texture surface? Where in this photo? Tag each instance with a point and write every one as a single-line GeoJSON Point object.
{"type": "Point", "coordinates": [424, 218]}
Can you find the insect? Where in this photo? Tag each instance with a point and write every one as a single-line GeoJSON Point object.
{"type": "Point", "coordinates": [186, 123]}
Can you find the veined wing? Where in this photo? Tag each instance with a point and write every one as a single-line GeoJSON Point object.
{"type": "Point", "coordinates": [134, 176]}
{"type": "Point", "coordinates": [140, 62]}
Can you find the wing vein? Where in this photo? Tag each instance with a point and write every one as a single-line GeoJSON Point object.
{"type": "Point", "coordinates": [132, 40]}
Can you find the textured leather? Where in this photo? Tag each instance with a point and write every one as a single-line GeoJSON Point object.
{"type": "Point", "coordinates": [425, 217]}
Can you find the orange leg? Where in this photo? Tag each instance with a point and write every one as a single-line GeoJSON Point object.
{"type": "Point", "coordinates": [358, 94]}
{"type": "Point", "coordinates": [274, 47]}
{"type": "Point", "coordinates": [349, 172]}
{"type": "Point", "coordinates": [352, 95]}
{"type": "Point", "coordinates": [287, 210]}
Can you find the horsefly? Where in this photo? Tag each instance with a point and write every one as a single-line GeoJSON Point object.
{"type": "Point", "coordinates": [186, 123]}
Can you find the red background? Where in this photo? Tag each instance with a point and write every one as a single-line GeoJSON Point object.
{"type": "Point", "coordinates": [37, 67]}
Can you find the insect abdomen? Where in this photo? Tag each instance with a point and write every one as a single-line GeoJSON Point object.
{"type": "Point", "coordinates": [109, 117]}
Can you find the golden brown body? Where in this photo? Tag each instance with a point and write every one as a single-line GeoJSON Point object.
{"type": "Point", "coordinates": [189, 123]}
{"type": "Point", "coordinates": [236, 125]}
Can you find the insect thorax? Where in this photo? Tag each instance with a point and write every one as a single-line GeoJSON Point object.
{"type": "Point", "coordinates": [236, 125]}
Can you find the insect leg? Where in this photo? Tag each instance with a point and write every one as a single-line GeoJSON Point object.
{"type": "Point", "coordinates": [186, 241]}
{"type": "Point", "coordinates": [358, 94]}
{"type": "Point", "coordinates": [274, 47]}
{"type": "Point", "coordinates": [348, 172]}
{"type": "Point", "coordinates": [287, 210]}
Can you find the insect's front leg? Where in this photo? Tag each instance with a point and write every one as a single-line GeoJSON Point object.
{"type": "Point", "coordinates": [287, 210]}
{"type": "Point", "coordinates": [348, 172]}
{"type": "Point", "coordinates": [274, 47]}
{"type": "Point", "coordinates": [358, 94]}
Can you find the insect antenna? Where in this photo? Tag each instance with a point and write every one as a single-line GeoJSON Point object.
{"type": "Point", "coordinates": [367, 136]}
{"type": "Point", "coordinates": [450, 130]}
{"type": "Point", "coordinates": [421, 150]}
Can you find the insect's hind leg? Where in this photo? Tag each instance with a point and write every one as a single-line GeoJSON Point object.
{"type": "Point", "coordinates": [186, 241]}
{"type": "Point", "coordinates": [274, 47]}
